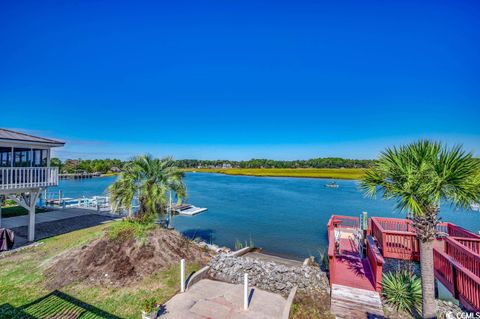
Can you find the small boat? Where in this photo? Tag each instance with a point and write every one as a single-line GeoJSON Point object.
{"type": "Point", "coordinates": [188, 210]}
{"type": "Point", "coordinates": [475, 206]}
{"type": "Point", "coordinates": [332, 185]}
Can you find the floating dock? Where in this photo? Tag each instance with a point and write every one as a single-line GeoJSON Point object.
{"type": "Point", "coordinates": [188, 210]}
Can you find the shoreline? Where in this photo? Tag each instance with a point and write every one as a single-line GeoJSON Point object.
{"type": "Point", "coordinates": [326, 173]}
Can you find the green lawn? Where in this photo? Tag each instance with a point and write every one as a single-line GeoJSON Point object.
{"type": "Point", "coordinates": [12, 211]}
{"type": "Point", "coordinates": [23, 293]}
{"type": "Point", "coordinates": [334, 173]}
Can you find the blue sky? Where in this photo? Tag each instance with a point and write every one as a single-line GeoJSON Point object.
{"type": "Point", "coordinates": [241, 79]}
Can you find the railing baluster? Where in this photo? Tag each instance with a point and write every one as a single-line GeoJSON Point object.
{"type": "Point", "coordinates": [28, 177]}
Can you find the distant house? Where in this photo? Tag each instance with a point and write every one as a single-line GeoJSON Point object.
{"type": "Point", "coordinates": [226, 165]}
{"type": "Point", "coordinates": [115, 169]}
{"type": "Point", "coordinates": [25, 170]}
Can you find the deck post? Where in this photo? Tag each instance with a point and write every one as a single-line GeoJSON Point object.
{"type": "Point", "coordinates": [32, 200]}
{"type": "Point", "coordinates": [1, 203]}
{"type": "Point", "coordinates": [245, 292]}
{"type": "Point", "coordinates": [455, 284]}
{"type": "Point", "coordinates": [182, 275]}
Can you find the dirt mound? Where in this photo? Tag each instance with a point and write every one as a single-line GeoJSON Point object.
{"type": "Point", "coordinates": [119, 262]}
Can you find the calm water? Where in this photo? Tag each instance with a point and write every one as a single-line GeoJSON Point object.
{"type": "Point", "coordinates": [286, 216]}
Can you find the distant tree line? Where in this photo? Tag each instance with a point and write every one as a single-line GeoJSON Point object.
{"type": "Point", "coordinates": [115, 165]}
{"type": "Point", "coordinates": [326, 162]}
{"type": "Point", "coordinates": [90, 166]}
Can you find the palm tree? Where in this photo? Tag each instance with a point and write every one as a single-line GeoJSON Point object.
{"type": "Point", "coordinates": [420, 176]}
{"type": "Point", "coordinates": [150, 179]}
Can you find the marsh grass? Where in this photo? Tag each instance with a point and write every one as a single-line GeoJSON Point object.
{"type": "Point", "coordinates": [334, 173]}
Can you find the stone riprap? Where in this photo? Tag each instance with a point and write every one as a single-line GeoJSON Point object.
{"type": "Point", "coordinates": [266, 275]}
{"type": "Point", "coordinates": [394, 265]}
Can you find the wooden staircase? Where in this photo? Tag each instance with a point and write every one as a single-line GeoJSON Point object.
{"type": "Point", "coordinates": [354, 303]}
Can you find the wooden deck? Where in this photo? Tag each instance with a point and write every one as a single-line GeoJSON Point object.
{"type": "Point", "coordinates": [354, 303]}
{"type": "Point", "coordinates": [354, 292]}
{"type": "Point", "coordinates": [353, 270]}
{"type": "Point", "coordinates": [456, 259]}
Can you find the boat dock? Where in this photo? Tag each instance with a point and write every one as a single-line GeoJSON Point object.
{"type": "Point", "coordinates": [188, 210]}
{"type": "Point", "coordinates": [81, 175]}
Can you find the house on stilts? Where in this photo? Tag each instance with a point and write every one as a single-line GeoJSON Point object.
{"type": "Point", "coordinates": [25, 170]}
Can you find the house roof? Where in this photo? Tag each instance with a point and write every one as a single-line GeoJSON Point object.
{"type": "Point", "coordinates": [23, 137]}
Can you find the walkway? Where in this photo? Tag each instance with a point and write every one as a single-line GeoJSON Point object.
{"type": "Point", "coordinates": [355, 271]}
{"type": "Point", "coordinates": [220, 300]}
{"type": "Point", "coordinates": [353, 284]}
{"type": "Point", "coordinates": [53, 223]}
{"type": "Point", "coordinates": [18, 221]}
{"type": "Point", "coordinates": [354, 303]}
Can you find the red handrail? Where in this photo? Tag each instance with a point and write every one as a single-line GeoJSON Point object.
{"type": "Point", "coordinates": [460, 281]}
{"type": "Point", "coordinates": [376, 262]}
{"type": "Point", "coordinates": [463, 255]}
{"type": "Point", "coordinates": [395, 243]}
{"type": "Point", "coordinates": [457, 231]}
{"type": "Point", "coordinates": [471, 243]}
{"type": "Point", "coordinates": [331, 248]}
{"type": "Point", "coordinates": [337, 221]}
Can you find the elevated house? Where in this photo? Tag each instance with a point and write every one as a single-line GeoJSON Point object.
{"type": "Point", "coordinates": [25, 170]}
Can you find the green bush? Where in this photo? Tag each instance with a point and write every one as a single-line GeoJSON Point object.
{"type": "Point", "coordinates": [239, 245]}
{"type": "Point", "coordinates": [130, 228]}
{"type": "Point", "coordinates": [403, 291]}
{"type": "Point", "coordinates": [149, 305]}
{"type": "Point", "coordinates": [324, 261]}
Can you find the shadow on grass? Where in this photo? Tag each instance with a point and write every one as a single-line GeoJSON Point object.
{"type": "Point", "coordinates": [54, 305]}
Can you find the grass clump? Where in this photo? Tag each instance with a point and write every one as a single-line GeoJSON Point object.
{"type": "Point", "coordinates": [403, 291]}
{"type": "Point", "coordinates": [239, 245]}
{"type": "Point", "coordinates": [312, 305]}
{"type": "Point", "coordinates": [131, 228]}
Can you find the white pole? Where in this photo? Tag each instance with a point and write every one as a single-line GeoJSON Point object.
{"type": "Point", "coordinates": [245, 292]}
{"type": "Point", "coordinates": [182, 275]}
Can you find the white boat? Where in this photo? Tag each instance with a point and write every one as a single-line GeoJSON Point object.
{"type": "Point", "coordinates": [332, 185]}
{"type": "Point", "coordinates": [475, 206]}
{"type": "Point", "coordinates": [188, 210]}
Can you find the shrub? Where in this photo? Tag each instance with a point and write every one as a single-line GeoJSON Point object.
{"type": "Point", "coordinates": [324, 261]}
{"type": "Point", "coordinates": [149, 305]}
{"type": "Point", "coordinates": [240, 245]}
{"type": "Point", "coordinates": [403, 291]}
{"type": "Point", "coordinates": [130, 228]}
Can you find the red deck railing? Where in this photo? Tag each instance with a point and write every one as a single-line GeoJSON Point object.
{"type": "Point", "coordinates": [337, 221]}
{"type": "Point", "coordinates": [457, 231]}
{"type": "Point", "coordinates": [461, 282]}
{"type": "Point", "coordinates": [471, 243]}
{"type": "Point", "coordinates": [458, 268]}
{"type": "Point", "coordinates": [396, 238]}
{"type": "Point", "coordinates": [376, 262]}
{"type": "Point", "coordinates": [463, 255]}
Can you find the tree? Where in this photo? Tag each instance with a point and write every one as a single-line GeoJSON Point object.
{"type": "Point", "coordinates": [420, 177]}
{"type": "Point", "coordinates": [151, 180]}
{"type": "Point", "coordinates": [55, 162]}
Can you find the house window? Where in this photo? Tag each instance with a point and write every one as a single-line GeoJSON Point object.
{"type": "Point", "coordinates": [5, 157]}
